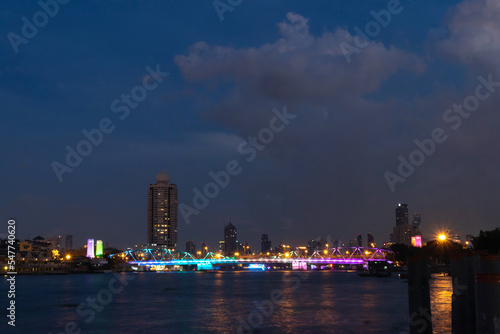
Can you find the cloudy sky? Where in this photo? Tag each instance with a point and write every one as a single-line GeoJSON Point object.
{"type": "Point", "coordinates": [362, 92]}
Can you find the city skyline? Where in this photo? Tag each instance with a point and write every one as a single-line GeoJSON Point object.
{"type": "Point", "coordinates": [184, 97]}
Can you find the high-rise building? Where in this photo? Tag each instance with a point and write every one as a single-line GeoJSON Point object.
{"type": "Point", "coordinates": [402, 214]}
{"type": "Point", "coordinates": [69, 242]}
{"type": "Point", "coordinates": [221, 247]}
{"type": "Point", "coordinates": [162, 212]}
{"type": "Point", "coordinates": [190, 247]}
{"type": "Point", "coordinates": [417, 219]}
{"type": "Point", "coordinates": [98, 249]}
{"type": "Point", "coordinates": [370, 240]}
{"type": "Point", "coordinates": [90, 248]}
{"type": "Point", "coordinates": [230, 240]}
{"type": "Point", "coordinates": [403, 234]}
{"type": "Point", "coordinates": [404, 231]}
{"type": "Point", "coordinates": [360, 240]}
{"type": "Point", "coordinates": [265, 244]}
{"type": "Point", "coordinates": [204, 249]}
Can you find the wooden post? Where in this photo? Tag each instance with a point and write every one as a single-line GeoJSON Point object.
{"type": "Point", "coordinates": [419, 296]}
{"type": "Point", "coordinates": [458, 299]}
{"type": "Point", "coordinates": [470, 294]}
{"type": "Point", "coordinates": [488, 295]}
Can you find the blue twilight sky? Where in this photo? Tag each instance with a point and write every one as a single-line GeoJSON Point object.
{"type": "Point", "coordinates": [324, 175]}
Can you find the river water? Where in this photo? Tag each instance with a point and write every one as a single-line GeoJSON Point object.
{"type": "Point", "coordinates": [221, 302]}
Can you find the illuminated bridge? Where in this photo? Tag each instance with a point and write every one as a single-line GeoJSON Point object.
{"type": "Point", "coordinates": [348, 256]}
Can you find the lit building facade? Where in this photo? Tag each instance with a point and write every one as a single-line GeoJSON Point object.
{"type": "Point", "coordinates": [162, 212]}
{"type": "Point", "coordinates": [98, 249]}
{"type": "Point", "coordinates": [90, 248]}
{"type": "Point", "coordinates": [404, 232]}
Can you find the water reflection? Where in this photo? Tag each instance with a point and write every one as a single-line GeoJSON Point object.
{"type": "Point", "coordinates": [441, 291]}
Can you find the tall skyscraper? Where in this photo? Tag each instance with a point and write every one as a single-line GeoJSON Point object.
{"type": "Point", "coordinates": [230, 240]}
{"type": "Point", "coordinates": [98, 249]}
{"type": "Point", "coordinates": [402, 214]}
{"type": "Point", "coordinates": [90, 248]}
{"type": "Point", "coordinates": [360, 240]}
{"type": "Point", "coordinates": [162, 212]}
{"type": "Point", "coordinates": [265, 244]}
{"type": "Point", "coordinates": [404, 231]}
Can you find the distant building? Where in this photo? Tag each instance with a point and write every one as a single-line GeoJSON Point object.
{"type": "Point", "coordinates": [90, 248]}
{"type": "Point", "coordinates": [204, 249]}
{"type": "Point", "coordinates": [244, 249]}
{"type": "Point", "coordinates": [403, 232]}
{"type": "Point", "coordinates": [315, 245]}
{"type": "Point", "coordinates": [352, 243]}
{"type": "Point", "coordinates": [55, 243]}
{"type": "Point", "coordinates": [402, 214]}
{"type": "Point", "coordinates": [230, 240]}
{"type": "Point", "coordinates": [265, 244]}
{"type": "Point", "coordinates": [360, 240]}
{"type": "Point", "coordinates": [417, 219]}
{"type": "Point", "coordinates": [69, 242]}
{"type": "Point", "coordinates": [370, 240]}
{"type": "Point", "coordinates": [162, 212]}
{"type": "Point", "coordinates": [221, 247]}
{"type": "Point", "coordinates": [190, 247]}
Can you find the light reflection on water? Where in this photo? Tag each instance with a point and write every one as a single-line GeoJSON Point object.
{"type": "Point", "coordinates": [197, 302]}
{"type": "Point", "coordinates": [441, 291]}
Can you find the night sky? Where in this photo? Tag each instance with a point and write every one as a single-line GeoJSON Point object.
{"type": "Point", "coordinates": [323, 174]}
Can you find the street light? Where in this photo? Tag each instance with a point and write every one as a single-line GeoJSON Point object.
{"type": "Point", "coordinates": [442, 237]}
